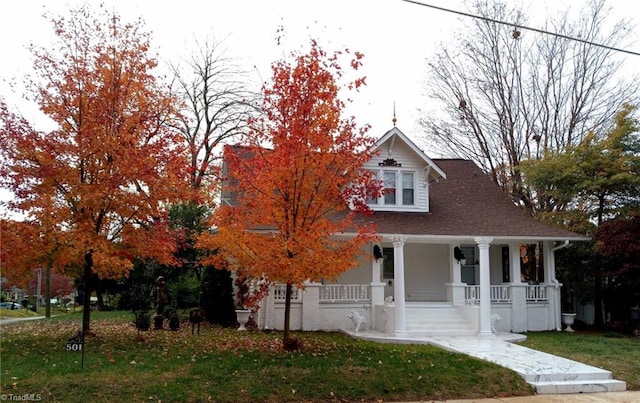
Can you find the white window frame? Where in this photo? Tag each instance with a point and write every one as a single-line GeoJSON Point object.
{"type": "Point", "coordinates": [399, 189]}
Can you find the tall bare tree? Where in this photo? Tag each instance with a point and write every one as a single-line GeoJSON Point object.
{"type": "Point", "coordinates": [217, 105]}
{"type": "Point", "coordinates": [509, 94]}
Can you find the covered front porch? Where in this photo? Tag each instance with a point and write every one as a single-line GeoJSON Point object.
{"type": "Point", "coordinates": [426, 291]}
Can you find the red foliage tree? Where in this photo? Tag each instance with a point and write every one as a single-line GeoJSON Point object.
{"type": "Point", "coordinates": [292, 199]}
{"type": "Point", "coordinates": [94, 190]}
{"type": "Point", "coordinates": [618, 241]}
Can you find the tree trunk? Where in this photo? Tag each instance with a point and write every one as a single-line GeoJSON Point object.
{"type": "Point", "coordinates": [48, 292]}
{"type": "Point", "coordinates": [287, 312]}
{"type": "Point", "coordinates": [86, 279]}
{"type": "Point", "coordinates": [100, 296]}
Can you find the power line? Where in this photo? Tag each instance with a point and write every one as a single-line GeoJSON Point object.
{"type": "Point", "coordinates": [522, 27]}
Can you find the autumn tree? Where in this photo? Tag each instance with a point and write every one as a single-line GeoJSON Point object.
{"type": "Point", "coordinates": [616, 241]}
{"type": "Point", "coordinates": [104, 177]}
{"type": "Point", "coordinates": [60, 284]}
{"type": "Point", "coordinates": [505, 94]}
{"type": "Point", "coordinates": [596, 179]}
{"type": "Point", "coordinates": [293, 178]}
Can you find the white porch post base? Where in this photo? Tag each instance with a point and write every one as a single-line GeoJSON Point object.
{"type": "Point", "coordinates": [311, 306]}
{"type": "Point", "coordinates": [455, 293]}
{"type": "Point", "coordinates": [377, 293]}
{"type": "Point", "coordinates": [519, 308]}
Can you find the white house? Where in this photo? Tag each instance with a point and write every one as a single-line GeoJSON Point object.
{"type": "Point", "coordinates": [440, 210]}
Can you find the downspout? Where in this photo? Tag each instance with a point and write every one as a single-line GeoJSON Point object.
{"type": "Point", "coordinates": [556, 285]}
{"type": "Point", "coordinates": [561, 246]}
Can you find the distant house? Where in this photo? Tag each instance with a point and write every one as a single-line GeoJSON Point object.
{"type": "Point", "coordinates": [456, 257]}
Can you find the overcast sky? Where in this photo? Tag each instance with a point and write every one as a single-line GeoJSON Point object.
{"type": "Point", "coordinates": [396, 38]}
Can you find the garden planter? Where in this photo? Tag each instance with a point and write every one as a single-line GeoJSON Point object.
{"type": "Point", "coordinates": [243, 317]}
{"type": "Point", "coordinates": [568, 319]}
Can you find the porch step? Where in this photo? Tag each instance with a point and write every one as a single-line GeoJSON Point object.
{"type": "Point", "coordinates": [436, 320]}
{"type": "Point", "coordinates": [593, 386]}
{"type": "Point", "coordinates": [572, 377]}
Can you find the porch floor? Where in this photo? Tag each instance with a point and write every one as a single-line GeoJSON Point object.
{"type": "Point", "coordinates": [547, 373]}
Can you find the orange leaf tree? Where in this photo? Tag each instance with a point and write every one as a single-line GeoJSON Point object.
{"type": "Point", "coordinates": [94, 191]}
{"type": "Point", "coordinates": [294, 179]}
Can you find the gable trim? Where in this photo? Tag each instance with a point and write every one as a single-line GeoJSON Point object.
{"type": "Point", "coordinates": [397, 133]}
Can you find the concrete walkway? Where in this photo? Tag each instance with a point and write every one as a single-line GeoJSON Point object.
{"type": "Point", "coordinates": [547, 373]}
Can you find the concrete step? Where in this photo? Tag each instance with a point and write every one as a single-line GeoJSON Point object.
{"type": "Point", "coordinates": [580, 373]}
{"type": "Point", "coordinates": [579, 386]}
{"type": "Point", "coordinates": [437, 321]}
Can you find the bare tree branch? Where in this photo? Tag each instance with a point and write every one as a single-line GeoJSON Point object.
{"type": "Point", "coordinates": [217, 106]}
{"type": "Point", "coordinates": [508, 96]}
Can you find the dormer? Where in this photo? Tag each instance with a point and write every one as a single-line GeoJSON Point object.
{"type": "Point", "coordinates": [405, 172]}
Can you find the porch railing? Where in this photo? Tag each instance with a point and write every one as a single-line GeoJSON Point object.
{"type": "Point", "coordinates": [280, 293]}
{"type": "Point", "coordinates": [537, 293]}
{"type": "Point", "coordinates": [472, 294]}
{"type": "Point", "coordinates": [502, 294]}
{"type": "Point", "coordinates": [345, 293]}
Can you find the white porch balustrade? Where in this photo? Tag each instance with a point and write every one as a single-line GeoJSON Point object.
{"type": "Point", "coordinates": [537, 293]}
{"type": "Point", "coordinates": [502, 294]}
{"type": "Point", "coordinates": [345, 293]}
{"type": "Point", "coordinates": [279, 293]}
{"type": "Point", "coordinates": [328, 306]}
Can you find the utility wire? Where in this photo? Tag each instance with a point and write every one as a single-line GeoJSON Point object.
{"type": "Point", "coordinates": [522, 27]}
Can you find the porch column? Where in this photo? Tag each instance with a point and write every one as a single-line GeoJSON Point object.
{"type": "Point", "coordinates": [514, 257]}
{"type": "Point", "coordinates": [518, 291]}
{"type": "Point", "coordinates": [485, 286]}
{"type": "Point", "coordinates": [377, 287]}
{"type": "Point", "coordinates": [399, 323]}
{"type": "Point", "coordinates": [456, 275]}
{"type": "Point", "coordinates": [548, 251]}
{"type": "Point", "coordinates": [455, 289]}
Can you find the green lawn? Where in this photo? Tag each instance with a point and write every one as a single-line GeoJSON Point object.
{"type": "Point", "coordinates": [228, 365]}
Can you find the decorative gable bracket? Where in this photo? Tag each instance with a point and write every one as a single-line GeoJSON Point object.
{"type": "Point", "coordinates": [389, 162]}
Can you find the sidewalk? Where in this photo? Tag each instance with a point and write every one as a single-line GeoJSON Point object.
{"type": "Point", "coordinates": [4, 321]}
{"type": "Point", "coordinates": [605, 397]}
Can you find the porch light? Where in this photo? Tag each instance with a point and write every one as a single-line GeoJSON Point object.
{"type": "Point", "coordinates": [377, 252]}
{"type": "Point", "coordinates": [459, 256]}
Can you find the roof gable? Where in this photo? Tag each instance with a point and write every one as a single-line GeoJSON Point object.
{"type": "Point", "coordinates": [389, 142]}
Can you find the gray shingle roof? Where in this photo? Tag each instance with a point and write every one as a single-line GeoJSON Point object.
{"type": "Point", "coordinates": [468, 204]}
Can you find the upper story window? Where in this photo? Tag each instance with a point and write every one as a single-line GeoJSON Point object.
{"type": "Point", "coordinates": [408, 188]}
{"type": "Point", "coordinates": [389, 183]}
{"type": "Point", "coordinates": [399, 187]}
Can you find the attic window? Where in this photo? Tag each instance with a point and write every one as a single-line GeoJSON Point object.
{"type": "Point", "coordinates": [389, 162]}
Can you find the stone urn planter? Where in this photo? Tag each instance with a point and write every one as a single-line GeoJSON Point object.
{"type": "Point", "coordinates": [243, 317]}
{"type": "Point", "coordinates": [568, 319]}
